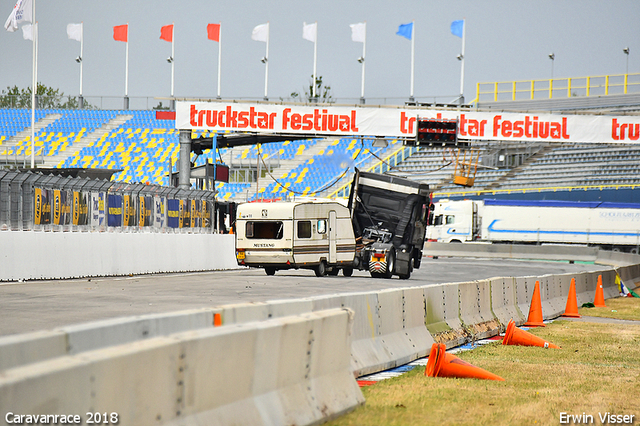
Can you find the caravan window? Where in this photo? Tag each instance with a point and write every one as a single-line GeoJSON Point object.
{"type": "Point", "coordinates": [322, 226]}
{"type": "Point", "coordinates": [304, 229]}
{"type": "Point", "coordinates": [271, 230]}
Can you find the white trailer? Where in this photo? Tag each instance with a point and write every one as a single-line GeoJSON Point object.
{"type": "Point", "coordinates": [292, 235]}
{"type": "Point", "coordinates": [608, 225]}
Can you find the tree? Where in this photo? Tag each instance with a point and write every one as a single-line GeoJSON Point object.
{"type": "Point", "coordinates": [160, 107]}
{"type": "Point", "coordinates": [48, 97]}
{"type": "Point", "coordinates": [323, 93]}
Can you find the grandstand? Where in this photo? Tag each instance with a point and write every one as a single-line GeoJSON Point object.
{"type": "Point", "coordinates": [143, 149]}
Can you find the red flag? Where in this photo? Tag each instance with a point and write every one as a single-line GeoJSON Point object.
{"type": "Point", "coordinates": [166, 33]}
{"type": "Point", "coordinates": [213, 32]}
{"type": "Point", "coordinates": [121, 33]}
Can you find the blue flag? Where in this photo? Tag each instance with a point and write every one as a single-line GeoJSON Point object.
{"type": "Point", "coordinates": [406, 31]}
{"type": "Point", "coordinates": [456, 28]}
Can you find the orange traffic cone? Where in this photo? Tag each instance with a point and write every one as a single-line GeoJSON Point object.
{"type": "Point", "coordinates": [535, 310]}
{"type": "Point", "coordinates": [599, 300]}
{"type": "Point", "coordinates": [572, 302]}
{"type": "Point", "coordinates": [517, 337]}
{"type": "Point", "coordinates": [442, 364]}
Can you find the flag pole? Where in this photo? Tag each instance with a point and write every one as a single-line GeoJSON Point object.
{"type": "Point", "coordinates": [315, 59]}
{"type": "Point", "coordinates": [364, 49]}
{"type": "Point", "coordinates": [219, 54]}
{"type": "Point", "coordinates": [126, 72]}
{"type": "Point", "coordinates": [413, 45]}
{"type": "Point", "coordinates": [173, 60]}
{"type": "Point", "coordinates": [464, 28]}
{"type": "Point", "coordinates": [81, 58]}
{"type": "Point", "coordinates": [34, 75]}
{"type": "Point", "coordinates": [266, 65]}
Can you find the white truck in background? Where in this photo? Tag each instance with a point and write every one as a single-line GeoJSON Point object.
{"type": "Point", "coordinates": [611, 226]}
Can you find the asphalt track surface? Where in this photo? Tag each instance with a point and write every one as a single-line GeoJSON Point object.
{"type": "Point", "coordinates": [41, 305]}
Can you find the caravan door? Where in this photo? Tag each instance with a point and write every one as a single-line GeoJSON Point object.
{"type": "Point", "coordinates": [333, 227]}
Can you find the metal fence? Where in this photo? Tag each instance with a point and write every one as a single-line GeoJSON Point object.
{"type": "Point", "coordinates": [37, 202]}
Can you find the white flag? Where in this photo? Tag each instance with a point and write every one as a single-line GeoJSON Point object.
{"type": "Point", "coordinates": [359, 32]}
{"type": "Point", "coordinates": [309, 31]}
{"type": "Point", "coordinates": [27, 32]}
{"type": "Point", "coordinates": [260, 33]}
{"type": "Point", "coordinates": [21, 12]}
{"type": "Point", "coordinates": [74, 31]}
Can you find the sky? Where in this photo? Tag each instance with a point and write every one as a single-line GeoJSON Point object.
{"type": "Point", "coordinates": [506, 40]}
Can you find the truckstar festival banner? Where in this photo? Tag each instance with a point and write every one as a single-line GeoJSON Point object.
{"type": "Point", "coordinates": [400, 122]}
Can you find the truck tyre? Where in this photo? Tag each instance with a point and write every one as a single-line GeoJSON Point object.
{"type": "Point", "coordinates": [270, 270]}
{"type": "Point", "coordinates": [405, 276]}
{"type": "Point", "coordinates": [347, 272]}
{"type": "Point", "coordinates": [391, 264]}
{"type": "Point", "coordinates": [333, 271]}
{"type": "Point", "coordinates": [321, 269]}
{"type": "Point", "coordinates": [417, 260]}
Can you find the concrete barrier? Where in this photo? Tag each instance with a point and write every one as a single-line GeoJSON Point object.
{"type": "Point", "coordinates": [553, 303]}
{"type": "Point", "coordinates": [583, 292]}
{"type": "Point", "coordinates": [21, 349]}
{"type": "Point", "coordinates": [89, 254]}
{"type": "Point", "coordinates": [414, 325]}
{"type": "Point", "coordinates": [512, 251]}
{"type": "Point", "coordinates": [616, 258]}
{"type": "Point", "coordinates": [443, 314]}
{"type": "Point", "coordinates": [609, 283]}
{"type": "Point", "coordinates": [291, 370]}
{"type": "Point", "coordinates": [504, 301]}
{"type": "Point", "coordinates": [475, 309]}
{"type": "Point", "coordinates": [630, 276]}
{"type": "Point", "coordinates": [524, 293]}
{"type": "Point", "coordinates": [28, 348]}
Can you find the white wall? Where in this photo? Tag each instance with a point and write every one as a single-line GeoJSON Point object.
{"type": "Point", "coordinates": [50, 255]}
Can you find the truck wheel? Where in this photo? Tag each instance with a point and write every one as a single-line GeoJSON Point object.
{"type": "Point", "coordinates": [391, 264]}
{"type": "Point", "coordinates": [270, 270]}
{"type": "Point", "coordinates": [321, 269]}
{"type": "Point", "coordinates": [347, 272]}
{"type": "Point", "coordinates": [405, 276]}
{"type": "Point", "coordinates": [417, 260]}
{"type": "Point", "coordinates": [333, 271]}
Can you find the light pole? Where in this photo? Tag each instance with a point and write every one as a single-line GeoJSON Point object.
{"type": "Point", "coordinates": [626, 52]}
{"type": "Point", "coordinates": [552, 56]}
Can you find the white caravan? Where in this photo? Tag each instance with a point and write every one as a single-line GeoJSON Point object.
{"type": "Point", "coordinates": [292, 235]}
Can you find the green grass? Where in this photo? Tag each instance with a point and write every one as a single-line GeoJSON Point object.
{"type": "Point", "coordinates": [621, 308]}
{"type": "Point", "coordinates": [596, 371]}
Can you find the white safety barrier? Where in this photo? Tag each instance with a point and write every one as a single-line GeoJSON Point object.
{"type": "Point", "coordinates": [290, 370]}
{"type": "Point", "coordinates": [630, 276]}
{"type": "Point", "coordinates": [443, 314]}
{"type": "Point", "coordinates": [504, 301]}
{"type": "Point", "coordinates": [22, 349]}
{"type": "Point", "coordinates": [53, 255]}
